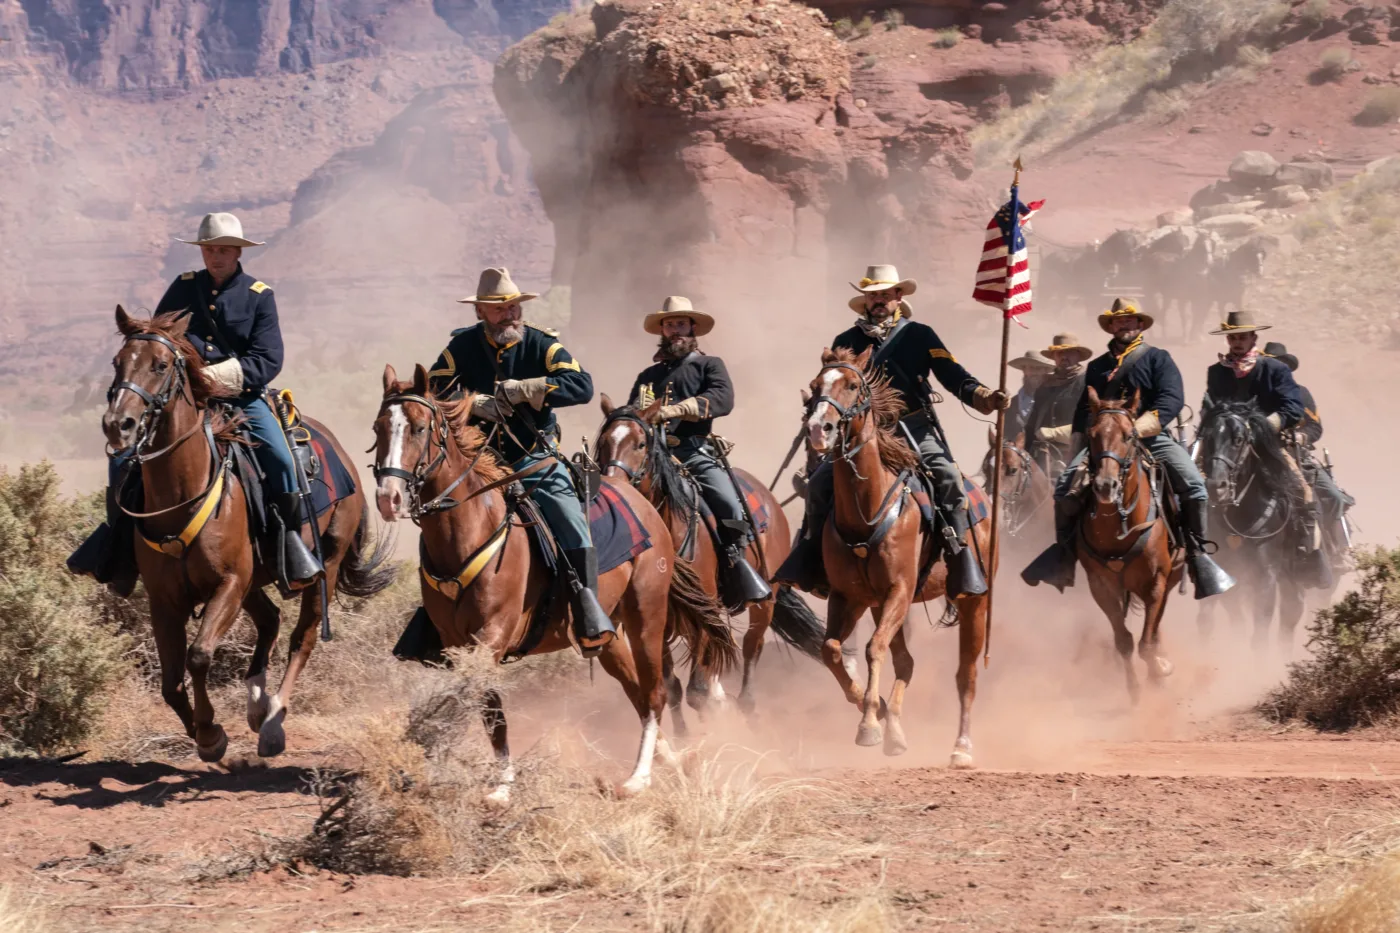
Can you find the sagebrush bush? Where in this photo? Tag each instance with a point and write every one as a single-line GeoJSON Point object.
{"type": "Point", "coordinates": [1353, 678]}
{"type": "Point", "coordinates": [1382, 107]}
{"type": "Point", "coordinates": [1334, 63]}
{"type": "Point", "coordinates": [60, 648]}
{"type": "Point", "coordinates": [947, 38]}
{"type": "Point", "coordinates": [1370, 905]}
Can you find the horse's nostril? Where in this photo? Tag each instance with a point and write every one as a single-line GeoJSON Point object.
{"type": "Point", "coordinates": [127, 424]}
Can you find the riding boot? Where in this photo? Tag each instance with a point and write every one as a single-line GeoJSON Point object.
{"type": "Point", "coordinates": [1056, 564]}
{"type": "Point", "coordinates": [804, 568]}
{"type": "Point", "coordinates": [739, 583]}
{"type": "Point", "coordinates": [108, 555]}
{"type": "Point", "coordinates": [1206, 574]}
{"type": "Point", "coordinates": [592, 626]}
{"type": "Point", "coordinates": [297, 566]}
{"type": "Point", "coordinates": [965, 576]}
{"type": "Point", "coordinates": [1314, 568]}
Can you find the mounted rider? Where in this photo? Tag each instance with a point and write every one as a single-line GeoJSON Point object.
{"type": "Point", "coordinates": [906, 352]}
{"type": "Point", "coordinates": [1132, 365]}
{"type": "Point", "coordinates": [520, 373]}
{"type": "Point", "coordinates": [694, 389]}
{"type": "Point", "coordinates": [1332, 500]}
{"type": "Point", "coordinates": [1033, 369]}
{"type": "Point", "coordinates": [1244, 374]}
{"type": "Point", "coordinates": [1051, 422]}
{"type": "Point", "coordinates": [234, 327]}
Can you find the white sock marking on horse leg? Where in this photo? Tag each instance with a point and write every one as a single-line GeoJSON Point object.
{"type": "Point", "coordinates": [258, 700]}
{"type": "Point", "coordinates": [501, 795]}
{"type": "Point", "coordinates": [641, 775]}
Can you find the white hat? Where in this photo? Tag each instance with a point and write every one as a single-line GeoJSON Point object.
{"type": "Point", "coordinates": [676, 306]}
{"type": "Point", "coordinates": [496, 288]}
{"type": "Point", "coordinates": [220, 230]}
{"type": "Point", "coordinates": [878, 279]}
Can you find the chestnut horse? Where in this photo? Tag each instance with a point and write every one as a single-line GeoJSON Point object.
{"type": "Point", "coordinates": [629, 448]}
{"type": "Point", "coordinates": [1026, 490]}
{"type": "Point", "coordinates": [473, 537]}
{"type": "Point", "coordinates": [873, 548]}
{"type": "Point", "coordinates": [1123, 541]}
{"type": "Point", "coordinates": [159, 407]}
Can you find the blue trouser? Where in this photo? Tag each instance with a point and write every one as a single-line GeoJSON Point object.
{"type": "Point", "coordinates": [1331, 500]}
{"type": "Point", "coordinates": [1182, 473]}
{"type": "Point", "coordinates": [716, 488]}
{"type": "Point", "coordinates": [271, 451]}
{"type": "Point", "coordinates": [553, 491]}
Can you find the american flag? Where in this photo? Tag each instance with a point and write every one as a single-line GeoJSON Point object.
{"type": "Point", "coordinates": [1004, 281]}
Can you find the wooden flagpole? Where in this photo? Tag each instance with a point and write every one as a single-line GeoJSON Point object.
{"type": "Point", "coordinates": [1001, 425]}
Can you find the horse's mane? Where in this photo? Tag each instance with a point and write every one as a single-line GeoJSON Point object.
{"type": "Point", "coordinates": [171, 326]}
{"type": "Point", "coordinates": [886, 405]}
{"type": "Point", "coordinates": [469, 439]}
{"type": "Point", "coordinates": [1268, 446]}
{"type": "Point", "coordinates": [668, 482]}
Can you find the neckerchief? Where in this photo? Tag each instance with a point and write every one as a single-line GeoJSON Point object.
{"type": "Point", "coordinates": [1121, 356]}
{"type": "Point", "coordinates": [878, 332]}
{"type": "Point", "coordinates": [1242, 365]}
{"type": "Point", "coordinates": [1066, 376]}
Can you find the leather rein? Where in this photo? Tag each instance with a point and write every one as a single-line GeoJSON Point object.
{"type": "Point", "coordinates": [1236, 493]}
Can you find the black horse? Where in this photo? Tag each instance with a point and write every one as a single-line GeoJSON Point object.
{"type": "Point", "coordinates": [1256, 510]}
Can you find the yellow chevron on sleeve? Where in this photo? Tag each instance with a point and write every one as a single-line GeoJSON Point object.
{"type": "Point", "coordinates": [259, 287]}
{"type": "Point", "coordinates": [553, 367]}
{"type": "Point", "coordinates": [451, 366]}
{"type": "Point", "coordinates": [942, 354]}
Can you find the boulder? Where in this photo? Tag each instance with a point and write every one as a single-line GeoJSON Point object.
{"type": "Point", "coordinates": [1232, 225]}
{"type": "Point", "coordinates": [1236, 207]}
{"type": "Point", "coordinates": [1217, 192]}
{"type": "Point", "coordinates": [1310, 175]}
{"type": "Point", "coordinates": [1253, 169]}
{"type": "Point", "coordinates": [1288, 196]}
{"type": "Point", "coordinates": [1175, 218]}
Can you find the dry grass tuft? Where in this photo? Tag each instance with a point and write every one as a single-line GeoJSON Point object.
{"type": "Point", "coordinates": [1368, 905]}
{"type": "Point", "coordinates": [1381, 107]}
{"type": "Point", "coordinates": [1333, 64]}
{"type": "Point", "coordinates": [947, 38]}
{"type": "Point", "coordinates": [20, 914]}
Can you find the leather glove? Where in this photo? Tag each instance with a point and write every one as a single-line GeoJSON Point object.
{"type": "Point", "coordinates": [1275, 421]}
{"type": "Point", "coordinates": [1060, 435]}
{"type": "Point", "coordinates": [532, 391]}
{"type": "Point", "coordinates": [686, 410]}
{"type": "Point", "coordinates": [799, 483]}
{"type": "Point", "coordinates": [489, 409]}
{"type": "Point", "coordinates": [226, 377]}
{"type": "Point", "coordinates": [987, 401]}
{"type": "Point", "coordinates": [1148, 424]}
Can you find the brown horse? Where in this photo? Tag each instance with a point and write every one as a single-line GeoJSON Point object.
{"type": "Point", "coordinates": [628, 448]}
{"type": "Point", "coordinates": [159, 405]}
{"type": "Point", "coordinates": [493, 580]}
{"type": "Point", "coordinates": [1026, 490]}
{"type": "Point", "coordinates": [1123, 541]}
{"type": "Point", "coordinates": [873, 548]}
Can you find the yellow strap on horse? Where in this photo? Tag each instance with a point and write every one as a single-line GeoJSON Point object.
{"type": "Point", "coordinates": [177, 545]}
{"type": "Point", "coordinates": [473, 568]}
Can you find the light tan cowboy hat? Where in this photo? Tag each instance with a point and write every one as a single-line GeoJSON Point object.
{"type": "Point", "coordinates": [877, 279]}
{"type": "Point", "coordinates": [1239, 322]}
{"type": "Point", "coordinates": [1065, 342]}
{"type": "Point", "coordinates": [1121, 308]}
{"type": "Point", "coordinates": [1031, 361]}
{"type": "Point", "coordinates": [496, 288]}
{"type": "Point", "coordinates": [220, 230]}
{"type": "Point", "coordinates": [676, 306]}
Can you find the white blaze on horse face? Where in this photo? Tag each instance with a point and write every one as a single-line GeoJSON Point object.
{"type": "Point", "coordinates": [816, 437]}
{"type": "Point", "coordinates": [392, 491]}
{"type": "Point", "coordinates": [617, 438]}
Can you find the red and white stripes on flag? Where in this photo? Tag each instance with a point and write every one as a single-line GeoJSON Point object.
{"type": "Point", "coordinates": [1004, 275]}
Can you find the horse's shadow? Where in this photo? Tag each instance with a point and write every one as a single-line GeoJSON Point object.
{"type": "Point", "coordinates": [147, 783]}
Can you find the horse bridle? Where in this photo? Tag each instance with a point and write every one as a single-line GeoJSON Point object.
{"type": "Point", "coordinates": [1231, 465]}
{"type": "Point", "coordinates": [1236, 494]}
{"type": "Point", "coordinates": [861, 406]}
{"type": "Point", "coordinates": [176, 379]}
{"type": "Point", "coordinates": [424, 468]}
{"type": "Point", "coordinates": [634, 477]}
{"type": "Point", "coordinates": [1125, 464]}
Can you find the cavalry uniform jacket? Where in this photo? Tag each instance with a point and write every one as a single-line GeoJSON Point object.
{"type": "Point", "coordinates": [1054, 407]}
{"type": "Point", "coordinates": [695, 376]}
{"type": "Point", "coordinates": [1270, 383]}
{"type": "Point", "coordinates": [1153, 371]}
{"type": "Point", "coordinates": [237, 319]}
{"type": "Point", "coordinates": [912, 350]}
{"type": "Point", "coordinates": [473, 363]}
{"type": "Point", "coordinates": [1309, 427]}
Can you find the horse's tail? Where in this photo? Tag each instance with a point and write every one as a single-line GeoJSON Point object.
{"type": "Point", "coordinates": [796, 623]}
{"type": "Point", "coordinates": [366, 569]}
{"type": "Point", "coordinates": [698, 619]}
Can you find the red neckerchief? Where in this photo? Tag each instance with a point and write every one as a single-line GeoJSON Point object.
{"type": "Point", "coordinates": [1242, 365]}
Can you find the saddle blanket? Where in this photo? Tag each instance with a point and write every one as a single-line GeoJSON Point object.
{"type": "Point", "coordinates": [758, 508]}
{"type": "Point", "coordinates": [336, 482]}
{"type": "Point", "coordinates": [979, 504]}
{"type": "Point", "coordinates": [618, 534]}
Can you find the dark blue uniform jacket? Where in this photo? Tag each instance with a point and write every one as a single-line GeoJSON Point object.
{"type": "Point", "coordinates": [696, 376]}
{"type": "Point", "coordinates": [238, 319]}
{"type": "Point", "coordinates": [1270, 383]}
{"type": "Point", "coordinates": [915, 352]}
{"type": "Point", "coordinates": [1153, 371]}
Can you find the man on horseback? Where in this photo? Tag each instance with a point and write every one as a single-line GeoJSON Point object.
{"type": "Point", "coordinates": [1332, 500]}
{"type": "Point", "coordinates": [1034, 368]}
{"type": "Point", "coordinates": [234, 327]}
{"type": "Point", "coordinates": [906, 352]}
{"type": "Point", "coordinates": [1131, 365]}
{"type": "Point", "coordinates": [694, 389]}
{"type": "Point", "coordinates": [1051, 421]}
{"type": "Point", "coordinates": [1244, 374]}
{"type": "Point", "coordinates": [521, 373]}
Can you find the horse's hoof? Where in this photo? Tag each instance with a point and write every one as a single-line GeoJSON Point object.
{"type": "Point", "coordinates": [868, 735]}
{"type": "Point", "coordinates": [960, 761]}
{"type": "Point", "coordinates": [259, 701]}
{"type": "Point", "coordinates": [1161, 667]}
{"type": "Point", "coordinates": [746, 704]}
{"type": "Point", "coordinates": [633, 786]}
{"type": "Point", "coordinates": [500, 797]}
{"type": "Point", "coordinates": [894, 743]}
{"type": "Point", "coordinates": [272, 738]}
{"type": "Point", "coordinates": [213, 751]}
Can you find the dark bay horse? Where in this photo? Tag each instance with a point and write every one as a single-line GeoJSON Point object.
{"type": "Point", "coordinates": [1124, 542]}
{"type": "Point", "coordinates": [492, 580]}
{"type": "Point", "coordinates": [159, 405]}
{"type": "Point", "coordinates": [873, 548]}
{"type": "Point", "coordinates": [1254, 503]}
{"type": "Point", "coordinates": [1027, 491]}
{"type": "Point", "coordinates": [629, 448]}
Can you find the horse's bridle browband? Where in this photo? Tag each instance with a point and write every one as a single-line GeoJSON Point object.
{"type": "Point", "coordinates": [176, 380]}
{"type": "Point", "coordinates": [634, 477]}
{"type": "Point", "coordinates": [862, 405]}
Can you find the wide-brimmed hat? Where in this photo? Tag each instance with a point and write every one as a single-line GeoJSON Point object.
{"type": "Point", "coordinates": [496, 288]}
{"type": "Point", "coordinates": [1031, 361]}
{"type": "Point", "coordinates": [1122, 307]}
{"type": "Point", "coordinates": [220, 230]}
{"type": "Point", "coordinates": [1279, 352]}
{"type": "Point", "coordinates": [1239, 322]}
{"type": "Point", "coordinates": [1065, 342]}
{"type": "Point", "coordinates": [676, 306]}
{"type": "Point", "coordinates": [878, 279]}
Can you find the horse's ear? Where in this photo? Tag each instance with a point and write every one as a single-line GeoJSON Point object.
{"type": "Point", "coordinates": [1021, 440]}
{"type": "Point", "coordinates": [806, 394]}
{"type": "Point", "coordinates": [991, 437]}
{"type": "Point", "coordinates": [864, 357]}
{"type": "Point", "coordinates": [607, 405]}
{"type": "Point", "coordinates": [126, 326]}
{"type": "Point", "coordinates": [420, 380]}
{"type": "Point", "coordinates": [180, 326]}
{"type": "Point", "coordinates": [1137, 401]}
{"type": "Point", "coordinates": [1095, 403]}
{"type": "Point", "coordinates": [391, 378]}
{"type": "Point", "coordinates": [827, 356]}
{"type": "Point", "coordinates": [650, 410]}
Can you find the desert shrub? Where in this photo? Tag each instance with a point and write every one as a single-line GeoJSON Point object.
{"type": "Point", "coordinates": [1369, 905]}
{"type": "Point", "coordinates": [1252, 57]}
{"type": "Point", "coordinates": [1334, 63]}
{"type": "Point", "coordinates": [1313, 12]}
{"type": "Point", "coordinates": [868, 60]}
{"type": "Point", "coordinates": [20, 914]}
{"type": "Point", "coordinates": [1382, 107]}
{"type": "Point", "coordinates": [893, 19]}
{"type": "Point", "coordinates": [947, 38]}
{"type": "Point", "coordinates": [59, 647]}
{"type": "Point", "coordinates": [1353, 677]}
{"type": "Point", "coordinates": [843, 28]}
{"type": "Point", "coordinates": [864, 28]}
